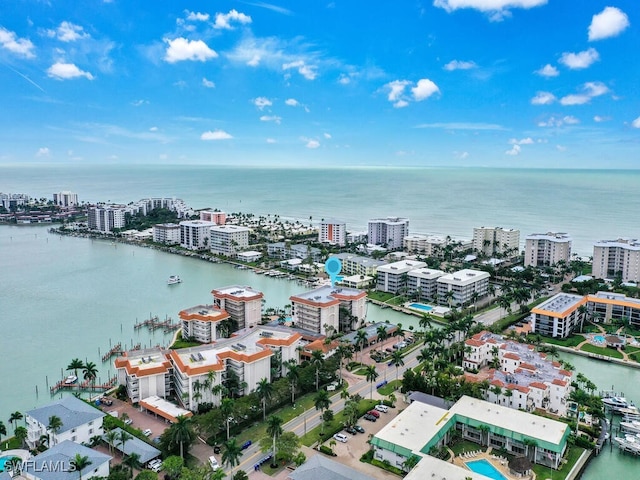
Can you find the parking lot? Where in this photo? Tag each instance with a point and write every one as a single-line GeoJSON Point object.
{"type": "Point", "coordinates": [141, 420]}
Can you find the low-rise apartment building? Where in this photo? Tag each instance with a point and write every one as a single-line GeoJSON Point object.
{"type": "Point", "coordinates": [546, 249]}
{"type": "Point", "coordinates": [166, 233]}
{"type": "Point", "coordinates": [394, 277]}
{"type": "Point", "coordinates": [617, 257]}
{"type": "Point", "coordinates": [227, 240]}
{"type": "Point", "coordinates": [195, 234]}
{"type": "Point", "coordinates": [559, 316]}
{"type": "Point", "coordinates": [358, 265]}
{"type": "Point", "coordinates": [243, 304]}
{"type": "Point", "coordinates": [319, 309]}
{"type": "Point", "coordinates": [145, 373]}
{"type": "Point", "coordinates": [423, 244]}
{"type": "Point", "coordinates": [462, 287]}
{"type": "Point", "coordinates": [607, 306]}
{"type": "Point", "coordinates": [202, 323]}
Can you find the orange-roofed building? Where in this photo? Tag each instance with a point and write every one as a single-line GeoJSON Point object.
{"type": "Point", "coordinates": [145, 373]}
{"type": "Point", "coordinates": [243, 304]}
{"type": "Point", "coordinates": [202, 323]}
{"type": "Point", "coordinates": [319, 309]}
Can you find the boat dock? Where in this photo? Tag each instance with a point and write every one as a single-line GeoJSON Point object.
{"type": "Point", "coordinates": [153, 323]}
{"type": "Point", "coordinates": [85, 385]}
{"type": "Point", "coordinates": [115, 350]}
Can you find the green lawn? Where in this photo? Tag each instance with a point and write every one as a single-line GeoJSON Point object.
{"type": "Point", "coordinates": [465, 446]}
{"type": "Point", "coordinates": [572, 341]}
{"type": "Point", "coordinates": [607, 352]}
{"type": "Point", "coordinates": [572, 456]}
{"type": "Point", "coordinates": [313, 435]}
{"type": "Point", "coordinates": [10, 444]}
{"type": "Point", "coordinates": [390, 387]}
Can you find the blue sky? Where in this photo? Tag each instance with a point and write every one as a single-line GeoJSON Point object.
{"type": "Point", "coordinates": [509, 83]}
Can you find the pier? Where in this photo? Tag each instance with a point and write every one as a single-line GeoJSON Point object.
{"type": "Point", "coordinates": [115, 350]}
{"type": "Point", "coordinates": [86, 385]}
{"type": "Point", "coordinates": [153, 323]}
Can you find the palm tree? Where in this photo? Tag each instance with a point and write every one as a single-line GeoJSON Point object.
{"type": "Point", "coordinates": [322, 402]}
{"type": "Point", "coordinates": [80, 463]}
{"type": "Point", "coordinates": [381, 333]}
{"type": "Point", "coordinates": [75, 365]}
{"type": "Point", "coordinates": [226, 409]}
{"type": "Point", "coordinates": [90, 372]}
{"type": "Point", "coordinates": [274, 429]}
{"type": "Point", "coordinates": [14, 417]}
{"type": "Point", "coordinates": [343, 351]}
{"type": "Point", "coordinates": [231, 453]}
{"type": "Point", "coordinates": [397, 360]}
{"type": "Point", "coordinates": [182, 432]}
{"type": "Point", "coordinates": [55, 424]}
{"type": "Point", "coordinates": [371, 374]}
{"type": "Point", "coordinates": [111, 437]}
{"type": "Point", "coordinates": [264, 391]}
{"type": "Point", "coordinates": [293, 373]}
{"type": "Point", "coordinates": [361, 340]}
{"type": "Point", "coordinates": [3, 429]}
{"type": "Point", "coordinates": [20, 434]}
{"type": "Point", "coordinates": [123, 437]}
{"type": "Point", "coordinates": [317, 359]}
{"type": "Point", "coordinates": [132, 461]}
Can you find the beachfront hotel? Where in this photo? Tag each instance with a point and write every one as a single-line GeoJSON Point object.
{"type": "Point", "coordinates": [333, 232]}
{"type": "Point", "coordinates": [388, 231]}
{"type": "Point", "coordinates": [525, 378]}
{"type": "Point", "coordinates": [166, 233]}
{"type": "Point", "coordinates": [617, 257]}
{"type": "Point", "coordinates": [144, 373]}
{"type": "Point", "coordinates": [495, 240]}
{"type": "Point", "coordinates": [194, 234]}
{"type": "Point", "coordinates": [319, 309]}
{"type": "Point", "coordinates": [80, 422]}
{"type": "Point", "coordinates": [228, 239]}
{"type": "Point", "coordinates": [393, 277]}
{"type": "Point", "coordinates": [546, 249]}
{"type": "Point", "coordinates": [420, 427]}
{"type": "Point", "coordinates": [243, 304]}
{"type": "Point", "coordinates": [462, 287]}
{"type": "Point", "coordinates": [558, 316]}
{"type": "Point", "coordinates": [202, 322]}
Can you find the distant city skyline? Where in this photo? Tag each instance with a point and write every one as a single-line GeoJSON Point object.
{"type": "Point", "coordinates": [482, 83]}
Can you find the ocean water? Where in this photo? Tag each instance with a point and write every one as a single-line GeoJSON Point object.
{"type": "Point", "coordinates": [590, 205]}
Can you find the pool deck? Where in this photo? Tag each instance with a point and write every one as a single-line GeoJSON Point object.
{"type": "Point", "coordinates": [500, 464]}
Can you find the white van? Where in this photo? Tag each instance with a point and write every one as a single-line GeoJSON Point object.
{"type": "Point", "coordinates": [341, 437]}
{"type": "Point", "coordinates": [382, 408]}
{"type": "Point", "coordinates": [213, 463]}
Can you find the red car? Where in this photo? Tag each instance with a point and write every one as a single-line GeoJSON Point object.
{"type": "Point", "coordinates": [375, 413]}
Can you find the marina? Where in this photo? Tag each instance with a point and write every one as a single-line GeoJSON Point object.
{"type": "Point", "coordinates": [153, 323]}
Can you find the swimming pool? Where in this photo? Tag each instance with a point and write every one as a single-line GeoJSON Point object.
{"type": "Point", "coordinates": [484, 467]}
{"type": "Point", "coordinates": [421, 306]}
{"type": "Point", "coordinates": [3, 461]}
{"type": "Point", "coordinates": [598, 339]}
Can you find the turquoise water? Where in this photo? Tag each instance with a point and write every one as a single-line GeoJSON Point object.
{"type": "Point", "coordinates": [3, 461]}
{"type": "Point", "coordinates": [484, 467]}
{"type": "Point", "coordinates": [599, 338]}
{"type": "Point", "coordinates": [421, 306]}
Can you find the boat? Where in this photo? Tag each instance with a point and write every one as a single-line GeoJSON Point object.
{"type": "Point", "coordinates": [70, 380]}
{"type": "Point", "coordinates": [631, 426]}
{"type": "Point", "coordinates": [618, 403]}
{"type": "Point", "coordinates": [173, 279]}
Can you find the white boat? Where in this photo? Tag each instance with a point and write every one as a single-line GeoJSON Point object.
{"type": "Point", "coordinates": [618, 404]}
{"type": "Point", "coordinates": [631, 426]}
{"type": "Point", "coordinates": [173, 279]}
{"type": "Point", "coordinates": [70, 380]}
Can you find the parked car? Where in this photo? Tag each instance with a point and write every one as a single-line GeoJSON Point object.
{"type": "Point", "coordinates": [213, 463]}
{"type": "Point", "coordinates": [371, 418]}
{"type": "Point", "coordinates": [246, 445]}
{"type": "Point", "coordinates": [382, 408]}
{"type": "Point", "coordinates": [358, 428]}
{"type": "Point", "coordinates": [351, 430]}
{"type": "Point", "coordinates": [147, 432]}
{"type": "Point", "coordinates": [341, 437]}
{"type": "Point", "coordinates": [374, 413]}
{"type": "Point", "coordinates": [216, 449]}
{"type": "Point", "coordinates": [128, 421]}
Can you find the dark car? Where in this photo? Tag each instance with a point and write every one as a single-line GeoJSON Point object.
{"type": "Point", "coordinates": [351, 430]}
{"type": "Point", "coordinates": [370, 417]}
{"type": "Point", "coordinates": [216, 449]}
{"type": "Point", "coordinates": [358, 428]}
{"type": "Point", "coordinates": [246, 445]}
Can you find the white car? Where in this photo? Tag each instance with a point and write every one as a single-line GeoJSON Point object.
{"type": "Point", "coordinates": [382, 408]}
{"type": "Point", "coordinates": [155, 465]}
{"type": "Point", "coordinates": [147, 432]}
{"type": "Point", "coordinates": [341, 437]}
{"type": "Point", "coordinates": [213, 463]}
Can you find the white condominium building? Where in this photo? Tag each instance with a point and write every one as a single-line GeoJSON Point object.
{"type": "Point", "coordinates": [65, 199]}
{"type": "Point", "coordinates": [333, 232]}
{"type": "Point", "coordinates": [319, 309]}
{"type": "Point", "coordinates": [243, 304]}
{"type": "Point", "coordinates": [617, 257]}
{"type": "Point", "coordinates": [195, 234]}
{"type": "Point", "coordinates": [214, 216]}
{"type": "Point", "coordinates": [492, 240]}
{"type": "Point", "coordinates": [166, 233]}
{"type": "Point", "coordinates": [106, 218]}
{"type": "Point", "coordinates": [423, 282]}
{"type": "Point", "coordinates": [462, 287]}
{"type": "Point", "coordinates": [558, 316]}
{"type": "Point", "coordinates": [423, 244]}
{"type": "Point", "coordinates": [12, 201]}
{"type": "Point", "coordinates": [388, 231]}
{"type": "Point", "coordinates": [227, 240]}
{"type": "Point", "coordinates": [202, 323]}
{"type": "Point", "coordinates": [393, 277]}
{"type": "Point", "coordinates": [357, 265]}
{"type": "Point", "coordinates": [144, 373]}
{"type": "Point", "coordinates": [546, 249]}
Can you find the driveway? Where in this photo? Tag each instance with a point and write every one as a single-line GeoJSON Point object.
{"type": "Point", "coordinates": [141, 419]}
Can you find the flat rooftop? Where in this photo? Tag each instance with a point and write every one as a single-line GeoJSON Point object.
{"type": "Point", "coordinates": [432, 468]}
{"type": "Point", "coordinates": [236, 291]}
{"type": "Point", "coordinates": [164, 408]}
{"type": "Point", "coordinates": [329, 294]}
{"type": "Point", "coordinates": [426, 273]}
{"type": "Point", "coordinates": [559, 303]}
{"type": "Point", "coordinates": [464, 277]}
{"type": "Point", "coordinates": [403, 266]}
{"type": "Point", "coordinates": [207, 313]}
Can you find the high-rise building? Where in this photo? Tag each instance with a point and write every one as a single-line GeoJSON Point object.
{"type": "Point", "coordinates": [228, 239]}
{"type": "Point", "coordinates": [243, 304]}
{"type": "Point", "coordinates": [65, 199]}
{"type": "Point", "coordinates": [106, 218]}
{"type": "Point", "coordinates": [617, 257]}
{"type": "Point", "coordinates": [492, 240]}
{"type": "Point", "coordinates": [195, 234]}
{"type": "Point", "coordinates": [333, 232]}
{"type": "Point", "coordinates": [167, 233]}
{"type": "Point", "coordinates": [214, 216]}
{"type": "Point", "coordinates": [546, 249]}
{"type": "Point", "coordinates": [388, 231]}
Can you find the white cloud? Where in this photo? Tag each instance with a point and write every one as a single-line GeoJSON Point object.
{"type": "Point", "coordinates": [459, 65]}
{"type": "Point", "coordinates": [558, 122]}
{"type": "Point", "coordinates": [461, 155]}
{"type": "Point", "coordinates": [636, 123]}
{"type": "Point", "coordinates": [561, 148]}
{"type": "Point", "coordinates": [271, 140]}
{"type": "Point", "coordinates": [401, 104]}
{"type": "Point", "coordinates": [608, 23]}
{"type": "Point", "coordinates": [215, 135]}
{"type": "Point", "coordinates": [43, 152]}
{"type": "Point", "coordinates": [515, 150]}
{"type": "Point", "coordinates": [396, 89]}
{"type": "Point", "coordinates": [208, 83]}
{"type": "Point", "coordinates": [524, 141]}
{"type": "Point", "coordinates": [326, 135]}
{"type": "Point", "coordinates": [292, 102]}
{"type": "Point", "coordinates": [68, 32]}
{"type": "Point", "coordinates": [139, 103]}
{"type": "Point", "coordinates": [599, 119]}
{"type": "Point", "coordinates": [570, 120]}
{"type": "Point", "coordinates": [580, 60]}
{"type": "Point", "coordinates": [589, 91]}
{"type": "Point", "coordinates": [153, 129]}
{"type": "Point", "coordinates": [20, 46]}
{"type": "Point", "coordinates": [424, 89]}
{"type": "Point", "coordinates": [307, 71]}
{"type": "Point", "coordinates": [548, 71]}
{"type": "Point", "coordinates": [344, 79]}
{"type": "Point", "coordinates": [224, 20]}
{"type": "Point", "coordinates": [66, 71]}
{"type": "Point", "coordinates": [543, 98]}
{"type": "Point", "coordinates": [312, 144]}
{"type": "Point", "coordinates": [271, 118]}
{"type": "Point", "coordinates": [197, 16]}
{"type": "Point", "coordinates": [262, 102]}
{"type": "Point", "coordinates": [180, 49]}
{"type": "Point", "coordinates": [497, 9]}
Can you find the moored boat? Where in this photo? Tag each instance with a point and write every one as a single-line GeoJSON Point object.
{"type": "Point", "coordinates": [173, 279]}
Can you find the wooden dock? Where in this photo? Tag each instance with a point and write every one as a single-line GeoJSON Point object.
{"type": "Point", "coordinates": [84, 386]}
{"type": "Point", "coordinates": [154, 323]}
{"type": "Point", "coordinates": [115, 350]}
